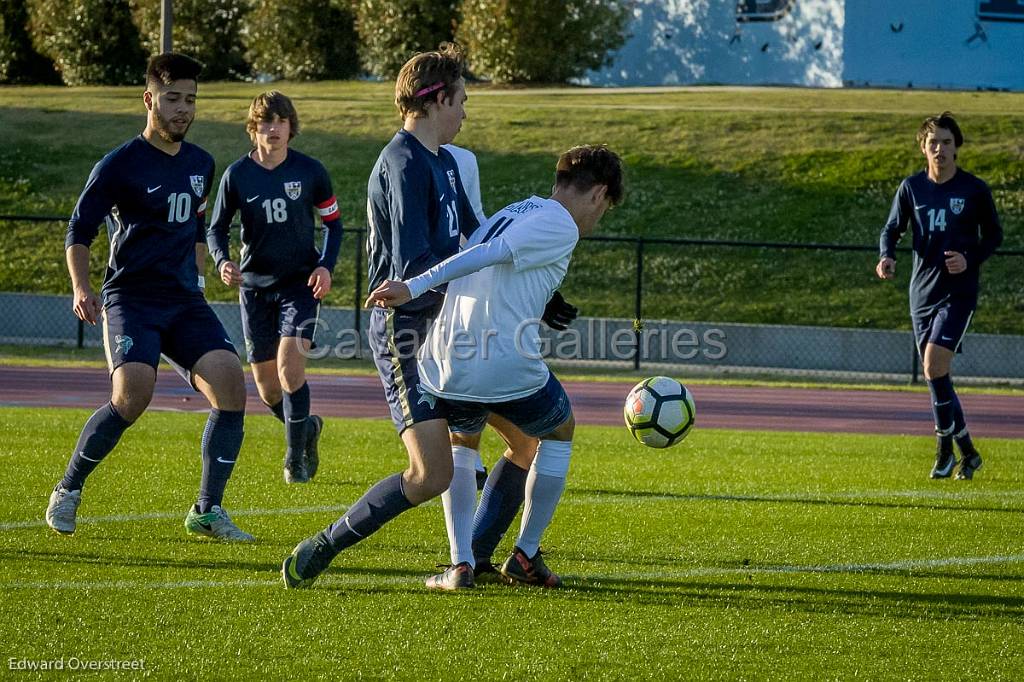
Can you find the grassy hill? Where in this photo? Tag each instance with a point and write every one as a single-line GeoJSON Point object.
{"type": "Point", "coordinates": [774, 164]}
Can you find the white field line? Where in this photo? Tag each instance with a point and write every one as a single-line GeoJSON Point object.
{"type": "Point", "coordinates": [609, 497]}
{"type": "Point", "coordinates": [638, 578]}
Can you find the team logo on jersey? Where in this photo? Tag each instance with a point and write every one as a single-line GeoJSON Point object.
{"type": "Point", "coordinates": [123, 344]}
{"type": "Point", "coordinates": [197, 184]}
{"type": "Point", "coordinates": [293, 189]}
{"type": "Point", "coordinates": [956, 206]}
{"type": "Point", "coordinates": [451, 180]}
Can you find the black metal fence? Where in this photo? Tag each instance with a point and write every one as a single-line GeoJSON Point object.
{"type": "Point", "coordinates": [716, 306]}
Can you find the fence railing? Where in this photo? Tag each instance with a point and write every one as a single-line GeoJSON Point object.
{"type": "Point", "coordinates": [657, 274]}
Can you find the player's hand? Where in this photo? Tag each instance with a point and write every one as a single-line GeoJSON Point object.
{"type": "Point", "coordinates": [86, 305]}
{"type": "Point", "coordinates": [955, 262]}
{"type": "Point", "coordinates": [320, 282]}
{"type": "Point", "coordinates": [230, 274]}
{"type": "Point", "coordinates": [390, 294]}
{"type": "Point", "coordinates": [886, 268]}
{"type": "Point", "coordinates": [558, 313]}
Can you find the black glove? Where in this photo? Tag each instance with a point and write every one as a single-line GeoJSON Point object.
{"type": "Point", "coordinates": [558, 314]}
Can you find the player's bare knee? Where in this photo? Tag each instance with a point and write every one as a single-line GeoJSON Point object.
{"type": "Point", "coordinates": [292, 377]}
{"type": "Point", "coordinates": [466, 440]}
{"type": "Point", "coordinates": [132, 390]}
{"type": "Point", "coordinates": [219, 376]}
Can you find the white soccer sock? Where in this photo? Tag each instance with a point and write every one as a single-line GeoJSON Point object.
{"type": "Point", "coordinates": [479, 462]}
{"type": "Point", "coordinates": [544, 486]}
{"type": "Point", "coordinates": [459, 503]}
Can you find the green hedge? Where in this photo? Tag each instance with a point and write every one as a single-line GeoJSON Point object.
{"type": "Point", "coordinates": [302, 40]}
{"type": "Point", "coordinates": [538, 41]}
{"type": "Point", "coordinates": [19, 62]}
{"type": "Point", "coordinates": [391, 31]}
{"type": "Point", "coordinates": [208, 30]}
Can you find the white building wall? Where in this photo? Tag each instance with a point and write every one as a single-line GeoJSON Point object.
{"type": "Point", "coordinates": [822, 43]}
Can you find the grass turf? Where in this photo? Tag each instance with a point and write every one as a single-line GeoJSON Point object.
{"type": "Point", "coordinates": [773, 164]}
{"type": "Point", "coordinates": [737, 555]}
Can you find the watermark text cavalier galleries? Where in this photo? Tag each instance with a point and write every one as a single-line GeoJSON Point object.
{"type": "Point", "coordinates": [73, 663]}
{"type": "Point", "coordinates": [595, 341]}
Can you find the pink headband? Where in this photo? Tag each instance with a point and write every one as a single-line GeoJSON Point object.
{"type": "Point", "coordinates": [429, 89]}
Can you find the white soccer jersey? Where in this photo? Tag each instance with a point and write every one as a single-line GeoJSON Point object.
{"type": "Point", "coordinates": [485, 344]}
{"type": "Point", "coordinates": [469, 171]}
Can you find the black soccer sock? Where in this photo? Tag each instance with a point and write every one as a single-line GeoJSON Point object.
{"type": "Point", "coordinates": [296, 421]}
{"type": "Point", "coordinates": [99, 436]}
{"type": "Point", "coordinates": [377, 506]}
{"type": "Point", "coordinates": [222, 440]}
{"type": "Point", "coordinates": [503, 494]}
{"type": "Point", "coordinates": [960, 434]}
{"type": "Point", "coordinates": [943, 409]}
{"type": "Point", "coordinates": [278, 410]}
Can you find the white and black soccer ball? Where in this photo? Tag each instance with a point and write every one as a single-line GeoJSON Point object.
{"type": "Point", "coordinates": [659, 412]}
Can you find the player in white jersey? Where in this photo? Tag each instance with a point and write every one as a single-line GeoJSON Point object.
{"type": "Point", "coordinates": [482, 354]}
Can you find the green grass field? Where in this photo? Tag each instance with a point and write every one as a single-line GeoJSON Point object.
{"type": "Point", "coordinates": [773, 164]}
{"type": "Point", "coordinates": [737, 555]}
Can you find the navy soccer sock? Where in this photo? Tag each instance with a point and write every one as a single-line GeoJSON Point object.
{"type": "Point", "coordinates": [960, 434]}
{"type": "Point", "coordinates": [296, 419]}
{"type": "Point", "coordinates": [278, 410]}
{"type": "Point", "coordinates": [222, 440]}
{"type": "Point", "coordinates": [503, 494]}
{"type": "Point", "coordinates": [99, 436]}
{"type": "Point", "coordinates": [943, 408]}
{"type": "Point", "coordinates": [377, 506]}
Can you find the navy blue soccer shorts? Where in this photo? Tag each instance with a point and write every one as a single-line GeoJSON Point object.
{"type": "Point", "coordinates": [269, 315]}
{"type": "Point", "coordinates": [139, 330]}
{"type": "Point", "coordinates": [944, 326]}
{"type": "Point", "coordinates": [394, 338]}
{"type": "Point", "coordinates": [536, 415]}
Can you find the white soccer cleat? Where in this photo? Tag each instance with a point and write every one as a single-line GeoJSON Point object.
{"type": "Point", "coordinates": [62, 510]}
{"type": "Point", "coordinates": [215, 524]}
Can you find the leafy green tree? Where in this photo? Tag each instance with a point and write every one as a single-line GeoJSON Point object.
{"type": "Point", "coordinates": [539, 41]}
{"type": "Point", "coordinates": [207, 30]}
{"type": "Point", "coordinates": [391, 31]}
{"type": "Point", "coordinates": [302, 39]}
{"type": "Point", "coordinates": [90, 41]}
{"type": "Point", "coordinates": [19, 62]}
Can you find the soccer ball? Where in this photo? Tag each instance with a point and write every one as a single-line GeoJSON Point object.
{"type": "Point", "coordinates": [659, 412]}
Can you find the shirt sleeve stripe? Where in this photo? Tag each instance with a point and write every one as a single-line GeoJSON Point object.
{"type": "Point", "coordinates": [328, 209]}
{"type": "Point", "coordinates": [202, 207]}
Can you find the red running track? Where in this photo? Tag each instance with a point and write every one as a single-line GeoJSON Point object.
{"type": "Point", "coordinates": [723, 407]}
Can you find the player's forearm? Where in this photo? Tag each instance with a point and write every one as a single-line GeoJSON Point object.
{"type": "Point", "coordinates": [332, 244]}
{"type": "Point", "coordinates": [77, 256]}
{"type": "Point", "coordinates": [887, 241]}
{"type": "Point", "coordinates": [464, 263]}
{"type": "Point", "coordinates": [217, 244]}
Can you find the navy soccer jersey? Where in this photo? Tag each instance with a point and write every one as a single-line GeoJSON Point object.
{"type": "Point", "coordinates": [156, 204]}
{"type": "Point", "coordinates": [416, 211]}
{"type": "Point", "coordinates": [278, 226]}
{"type": "Point", "coordinates": [957, 215]}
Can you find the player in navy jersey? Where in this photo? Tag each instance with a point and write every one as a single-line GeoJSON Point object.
{"type": "Point", "coordinates": [154, 188]}
{"type": "Point", "coordinates": [282, 277]}
{"type": "Point", "coordinates": [955, 229]}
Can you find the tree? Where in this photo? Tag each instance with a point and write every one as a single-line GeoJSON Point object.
{"type": "Point", "coordinates": [540, 41]}
{"type": "Point", "coordinates": [302, 39]}
{"type": "Point", "coordinates": [207, 30]}
{"type": "Point", "coordinates": [19, 62]}
{"type": "Point", "coordinates": [89, 41]}
{"type": "Point", "coordinates": [391, 31]}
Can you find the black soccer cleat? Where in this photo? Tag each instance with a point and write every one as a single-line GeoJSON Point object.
{"type": "Point", "coordinates": [308, 560]}
{"type": "Point", "coordinates": [520, 568]}
{"type": "Point", "coordinates": [969, 463]}
{"type": "Point", "coordinates": [945, 460]}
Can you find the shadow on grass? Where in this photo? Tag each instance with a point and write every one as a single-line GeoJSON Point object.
{"type": "Point", "coordinates": [791, 499]}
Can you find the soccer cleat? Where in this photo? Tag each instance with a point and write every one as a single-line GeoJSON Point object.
{"type": "Point", "coordinates": [215, 524]}
{"type": "Point", "coordinates": [312, 454]}
{"type": "Point", "coordinates": [308, 560]}
{"type": "Point", "coordinates": [945, 460]}
{"type": "Point", "coordinates": [295, 471]}
{"type": "Point", "coordinates": [63, 509]}
{"type": "Point", "coordinates": [519, 568]}
{"type": "Point", "coordinates": [457, 577]}
{"type": "Point", "coordinates": [969, 463]}
{"type": "Point", "coordinates": [486, 572]}
{"type": "Point", "coordinates": [481, 478]}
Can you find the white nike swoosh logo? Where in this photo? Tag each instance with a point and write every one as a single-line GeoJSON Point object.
{"type": "Point", "coordinates": [918, 208]}
{"type": "Point", "coordinates": [226, 461]}
{"type": "Point", "coordinates": [150, 191]}
{"type": "Point", "coordinates": [249, 201]}
{"type": "Point", "coordinates": [947, 338]}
